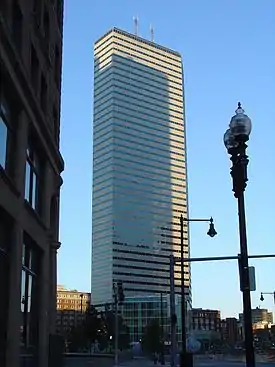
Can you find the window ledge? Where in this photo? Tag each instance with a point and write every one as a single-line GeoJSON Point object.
{"type": "Point", "coordinates": [34, 213]}
{"type": "Point", "coordinates": [6, 178]}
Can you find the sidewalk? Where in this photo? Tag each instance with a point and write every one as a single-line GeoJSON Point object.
{"type": "Point", "coordinates": [139, 362]}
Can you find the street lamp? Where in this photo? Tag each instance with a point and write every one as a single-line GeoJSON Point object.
{"type": "Point", "coordinates": [211, 232]}
{"type": "Point", "coordinates": [186, 358]}
{"type": "Point", "coordinates": [235, 139]}
{"type": "Point", "coordinates": [81, 302]}
{"type": "Point", "coordinates": [162, 361]}
{"type": "Point", "coordinates": [270, 293]}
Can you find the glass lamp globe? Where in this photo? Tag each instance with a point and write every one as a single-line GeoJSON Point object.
{"type": "Point", "coordinates": [240, 124]}
{"type": "Point", "coordinates": [229, 140]}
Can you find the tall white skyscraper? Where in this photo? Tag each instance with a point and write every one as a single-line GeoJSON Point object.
{"type": "Point", "coordinates": [139, 166]}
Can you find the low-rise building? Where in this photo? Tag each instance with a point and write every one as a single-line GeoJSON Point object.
{"type": "Point", "coordinates": [206, 326]}
{"type": "Point", "coordinates": [229, 331]}
{"type": "Point", "coordinates": [209, 320]}
{"type": "Point", "coordinates": [261, 317]}
{"type": "Point", "coordinates": [71, 307]}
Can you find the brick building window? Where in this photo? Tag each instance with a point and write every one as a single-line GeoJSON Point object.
{"type": "Point", "coordinates": [5, 241]}
{"type": "Point", "coordinates": [17, 23]}
{"type": "Point", "coordinates": [32, 178]}
{"type": "Point", "coordinates": [46, 26]}
{"type": "Point", "coordinates": [29, 294]}
{"type": "Point", "coordinates": [3, 7]}
{"type": "Point", "coordinates": [59, 11]}
{"type": "Point", "coordinates": [57, 66]}
{"type": "Point", "coordinates": [4, 116]}
{"type": "Point", "coordinates": [55, 124]}
{"type": "Point", "coordinates": [37, 11]}
{"type": "Point", "coordinates": [8, 121]}
{"type": "Point", "coordinates": [43, 93]}
{"type": "Point", "coordinates": [34, 69]}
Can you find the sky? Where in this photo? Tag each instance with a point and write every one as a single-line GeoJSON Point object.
{"type": "Point", "coordinates": [228, 52]}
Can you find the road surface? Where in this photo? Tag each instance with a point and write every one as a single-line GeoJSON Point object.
{"type": "Point", "coordinates": [87, 362]}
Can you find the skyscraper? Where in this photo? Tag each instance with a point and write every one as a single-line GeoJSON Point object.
{"type": "Point", "coordinates": [139, 166]}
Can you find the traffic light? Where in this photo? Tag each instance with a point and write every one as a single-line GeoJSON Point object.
{"type": "Point", "coordinates": [120, 292]}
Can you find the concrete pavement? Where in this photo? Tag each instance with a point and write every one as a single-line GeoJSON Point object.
{"type": "Point", "coordinates": [142, 362]}
{"type": "Point", "coordinates": [197, 363]}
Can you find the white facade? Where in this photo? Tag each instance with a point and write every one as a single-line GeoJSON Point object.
{"type": "Point", "coordinates": [139, 166]}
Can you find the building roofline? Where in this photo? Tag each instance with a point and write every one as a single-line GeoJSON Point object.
{"type": "Point", "coordinates": [138, 38]}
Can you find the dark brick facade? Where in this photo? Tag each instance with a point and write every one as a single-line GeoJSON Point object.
{"type": "Point", "coordinates": [30, 168]}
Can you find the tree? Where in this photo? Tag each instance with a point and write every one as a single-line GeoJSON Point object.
{"type": "Point", "coordinates": [151, 339]}
{"type": "Point", "coordinates": [108, 321]}
{"type": "Point", "coordinates": [124, 335]}
{"type": "Point", "coordinates": [92, 324]}
{"type": "Point", "coordinates": [76, 338]}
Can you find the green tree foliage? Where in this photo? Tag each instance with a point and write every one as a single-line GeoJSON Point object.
{"type": "Point", "coordinates": [76, 339]}
{"type": "Point", "coordinates": [124, 334]}
{"type": "Point", "coordinates": [98, 327]}
{"type": "Point", "coordinates": [93, 324]}
{"type": "Point", "coordinates": [151, 341]}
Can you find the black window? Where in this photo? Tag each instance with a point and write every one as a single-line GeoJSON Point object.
{"type": "Point", "coordinates": [29, 294]}
{"type": "Point", "coordinates": [43, 93]}
{"type": "Point", "coordinates": [46, 26]}
{"type": "Point", "coordinates": [4, 116]}
{"type": "Point", "coordinates": [55, 124]}
{"type": "Point", "coordinates": [3, 7]}
{"type": "Point", "coordinates": [34, 68]}
{"type": "Point", "coordinates": [57, 67]}
{"type": "Point", "coordinates": [37, 10]}
{"type": "Point", "coordinates": [5, 241]}
{"type": "Point", "coordinates": [17, 22]}
{"type": "Point", "coordinates": [59, 10]}
{"type": "Point", "coordinates": [32, 178]}
{"type": "Point", "coordinates": [9, 112]}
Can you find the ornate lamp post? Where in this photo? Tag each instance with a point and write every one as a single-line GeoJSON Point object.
{"type": "Point", "coordinates": [269, 293]}
{"type": "Point", "coordinates": [186, 358]}
{"type": "Point", "coordinates": [235, 139]}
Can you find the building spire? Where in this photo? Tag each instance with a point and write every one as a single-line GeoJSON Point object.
{"type": "Point", "coordinates": [152, 33]}
{"type": "Point", "coordinates": [136, 25]}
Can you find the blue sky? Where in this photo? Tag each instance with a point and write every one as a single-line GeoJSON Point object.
{"type": "Point", "coordinates": [228, 51]}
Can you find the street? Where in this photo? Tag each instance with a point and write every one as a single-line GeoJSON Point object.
{"type": "Point", "coordinates": [228, 364]}
{"type": "Point", "coordinates": [87, 362]}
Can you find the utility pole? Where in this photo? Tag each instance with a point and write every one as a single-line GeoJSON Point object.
{"type": "Point", "coordinates": [173, 313]}
{"type": "Point", "coordinates": [81, 302]}
{"type": "Point", "coordinates": [116, 331]}
{"type": "Point", "coordinates": [183, 308]}
{"type": "Point", "coordinates": [118, 294]}
{"type": "Point", "coordinates": [162, 333]}
{"type": "Point", "coordinates": [235, 139]}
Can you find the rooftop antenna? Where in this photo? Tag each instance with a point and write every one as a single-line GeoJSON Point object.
{"type": "Point", "coordinates": [136, 25]}
{"type": "Point", "coordinates": [152, 33]}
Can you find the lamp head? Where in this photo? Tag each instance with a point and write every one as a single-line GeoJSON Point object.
{"type": "Point", "coordinates": [262, 297]}
{"type": "Point", "coordinates": [229, 141]}
{"type": "Point", "coordinates": [240, 125]}
{"type": "Point", "coordinates": [212, 232]}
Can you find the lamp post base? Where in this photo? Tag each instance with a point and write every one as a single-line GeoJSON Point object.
{"type": "Point", "coordinates": [186, 360]}
{"type": "Point", "coordinates": [162, 359]}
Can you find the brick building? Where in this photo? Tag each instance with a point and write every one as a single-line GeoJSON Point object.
{"type": "Point", "coordinates": [206, 326]}
{"type": "Point", "coordinates": [207, 320]}
{"type": "Point", "coordinates": [261, 318]}
{"type": "Point", "coordinates": [230, 331]}
{"type": "Point", "coordinates": [30, 168]}
{"type": "Point", "coordinates": [71, 307]}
